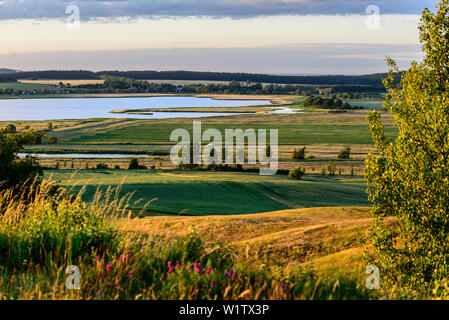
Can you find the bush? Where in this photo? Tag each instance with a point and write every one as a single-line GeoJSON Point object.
{"type": "Point", "coordinates": [102, 166]}
{"type": "Point", "coordinates": [344, 154]}
{"type": "Point", "coordinates": [134, 165]}
{"type": "Point", "coordinates": [299, 154]}
{"type": "Point", "coordinates": [296, 174]}
{"type": "Point", "coordinates": [52, 140]}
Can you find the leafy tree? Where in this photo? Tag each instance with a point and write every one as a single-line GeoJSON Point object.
{"type": "Point", "coordinates": [332, 168]}
{"type": "Point", "coordinates": [14, 171]}
{"type": "Point", "coordinates": [344, 154]}
{"type": "Point", "coordinates": [299, 154]}
{"type": "Point", "coordinates": [408, 181]}
{"type": "Point", "coordinates": [323, 170]}
{"type": "Point", "coordinates": [133, 164]}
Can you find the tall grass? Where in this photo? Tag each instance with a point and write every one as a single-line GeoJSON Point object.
{"type": "Point", "coordinates": [42, 232]}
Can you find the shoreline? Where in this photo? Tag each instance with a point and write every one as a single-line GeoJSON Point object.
{"type": "Point", "coordinates": [273, 99]}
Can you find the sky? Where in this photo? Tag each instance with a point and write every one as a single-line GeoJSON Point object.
{"type": "Point", "coordinates": [260, 36]}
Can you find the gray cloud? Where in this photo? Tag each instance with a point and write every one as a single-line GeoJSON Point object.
{"type": "Point", "coordinates": [95, 9]}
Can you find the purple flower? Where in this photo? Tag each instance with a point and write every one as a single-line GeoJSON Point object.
{"type": "Point", "coordinates": [196, 267]}
{"type": "Point", "coordinates": [226, 274]}
{"type": "Point", "coordinates": [240, 276]}
{"type": "Point", "coordinates": [208, 270]}
{"type": "Point", "coordinates": [108, 251]}
{"type": "Point", "coordinates": [171, 268]}
{"type": "Point", "coordinates": [212, 283]}
{"type": "Point", "coordinates": [131, 273]}
{"type": "Point", "coordinates": [108, 267]}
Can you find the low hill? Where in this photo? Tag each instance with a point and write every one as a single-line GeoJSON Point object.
{"type": "Point", "coordinates": [330, 239]}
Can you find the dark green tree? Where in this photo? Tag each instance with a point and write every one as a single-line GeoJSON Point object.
{"type": "Point", "coordinates": [15, 171]}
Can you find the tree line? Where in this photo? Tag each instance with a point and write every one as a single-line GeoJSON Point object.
{"type": "Point", "coordinates": [372, 80]}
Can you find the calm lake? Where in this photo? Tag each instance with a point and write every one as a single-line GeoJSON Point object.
{"type": "Point", "coordinates": [82, 108]}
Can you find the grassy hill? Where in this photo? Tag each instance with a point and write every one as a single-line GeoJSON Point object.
{"type": "Point", "coordinates": [330, 240]}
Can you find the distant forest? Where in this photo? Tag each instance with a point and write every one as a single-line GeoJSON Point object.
{"type": "Point", "coordinates": [374, 81]}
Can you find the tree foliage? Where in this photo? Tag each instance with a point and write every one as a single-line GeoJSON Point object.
{"type": "Point", "coordinates": [15, 171]}
{"type": "Point", "coordinates": [299, 154]}
{"type": "Point", "coordinates": [408, 182]}
{"type": "Point", "coordinates": [344, 154]}
{"type": "Point", "coordinates": [296, 174]}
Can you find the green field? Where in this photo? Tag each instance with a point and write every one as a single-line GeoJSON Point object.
{"type": "Point", "coordinates": [24, 86]}
{"type": "Point", "coordinates": [204, 193]}
{"type": "Point", "coordinates": [366, 103]}
{"type": "Point", "coordinates": [303, 128]}
{"type": "Point", "coordinates": [288, 134]}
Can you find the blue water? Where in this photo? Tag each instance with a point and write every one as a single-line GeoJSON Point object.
{"type": "Point", "coordinates": [83, 108]}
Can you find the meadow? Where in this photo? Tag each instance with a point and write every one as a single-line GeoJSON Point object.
{"type": "Point", "coordinates": [277, 255]}
{"type": "Point", "coordinates": [25, 85]}
{"type": "Point", "coordinates": [163, 233]}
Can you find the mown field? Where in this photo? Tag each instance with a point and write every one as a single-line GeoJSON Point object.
{"type": "Point", "coordinates": [209, 193]}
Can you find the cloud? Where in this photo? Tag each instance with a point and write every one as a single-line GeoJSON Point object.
{"type": "Point", "coordinates": [95, 9]}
